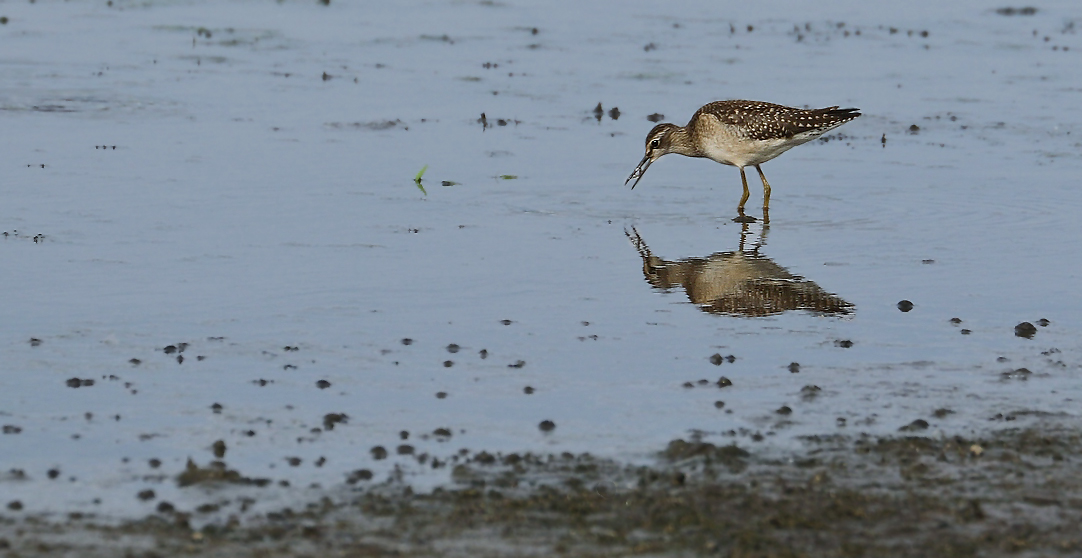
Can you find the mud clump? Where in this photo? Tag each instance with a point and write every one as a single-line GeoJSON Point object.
{"type": "Point", "coordinates": [214, 472]}
{"type": "Point", "coordinates": [1025, 329]}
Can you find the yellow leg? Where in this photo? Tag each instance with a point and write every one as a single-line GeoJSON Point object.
{"type": "Point", "coordinates": [744, 179]}
{"type": "Point", "coordinates": [766, 189]}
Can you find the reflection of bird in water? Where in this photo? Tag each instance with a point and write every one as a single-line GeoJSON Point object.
{"type": "Point", "coordinates": [742, 283]}
{"type": "Point", "coordinates": [742, 134]}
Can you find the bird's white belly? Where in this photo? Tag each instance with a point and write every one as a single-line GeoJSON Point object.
{"type": "Point", "coordinates": [741, 152]}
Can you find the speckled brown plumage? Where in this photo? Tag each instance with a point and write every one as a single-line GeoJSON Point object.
{"type": "Point", "coordinates": [742, 134]}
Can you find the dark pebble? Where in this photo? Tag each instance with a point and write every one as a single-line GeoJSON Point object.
{"type": "Point", "coordinates": [379, 452]}
{"type": "Point", "coordinates": [448, 363]}
{"type": "Point", "coordinates": [1043, 322]}
{"type": "Point", "coordinates": [442, 432]}
{"type": "Point", "coordinates": [407, 341]}
{"type": "Point", "coordinates": [166, 507]}
{"type": "Point", "coordinates": [784, 410]}
{"type": "Point", "coordinates": [483, 353]}
{"type": "Point", "coordinates": [441, 395]}
{"type": "Point", "coordinates": [15, 505]}
{"type": "Point", "coordinates": [145, 495]}
{"type": "Point", "coordinates": [905, 305]}
{"type": "Point", "coordinates": [453, 348]}
{"type": "Point", "coordinates": [218, 447]}
{"type": "Point", "coordinates": [154, 463]}
{"type": "Point", "coordinates": [794, 367]}
{"type": "Point", "coordinates": [323, 384]}
{"type": "Point", "coordinates": [689, 385]}
{"type": "Point", "coordinates": [547, 426]}
{"type": "Point", "coordinates": [216, 408]}
{"type": "Point", "coordinates": [843, 343]}
{"type": "Point", "coordinates": [656, 117]}
{"type": "Point", "coordinates": [1025, 329]}
{"type": "Point", "coordinates": [11, 429]}
{"type": "Point", "coordinates": [965, 331]}
{"type": "Point", "coordinates": [527, 390]}
{"type": "Point", "coordinates": [506, 322]}
{"type": "Point", "coordinates": [716, 359]}
{"type": "Point", "coordinates": [170, 349]}
{"type": "Point", "coordinates": [942, 413]}
{"type": "Point", "coordinates": [53, 473]}
{"type": "Point", "coordinates": [404, 449]}
{"type": "Point", "coordinates": [724, 382]}
{"type": "Point", "coordinates": [956, 321]}
{"type": "Point", "coordinates": [517, 364]}
{"type": "Point", "coordinates": [34, 341]}
{"type": "Point", "coordinates": [330, 419]}
{"type": "Point", "coordinates": [358, 475]}
{"type": "Point", "coordinates": [719, 404]}
{"type": "Point", "coordinates": [404, 435]}
{"type": "Point", "coordinates": [74, 383]}
{"type": "Point", "coordinates": [919, 424]}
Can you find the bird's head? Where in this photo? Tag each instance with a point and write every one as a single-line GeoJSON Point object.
{"type": "Point", "coordinates": [658, 143]}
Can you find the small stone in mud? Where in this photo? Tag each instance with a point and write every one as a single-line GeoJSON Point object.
{"type": "Point", "coordinates": [716, 359]}
{"type": "Point", "coordinates": [719, 404]}
{"type": "Point", "coordinates": [703, 382]}
{"type": "Point", "coordinates": [919, 424]}
{"type": "Point", "coordinates": [689, 385]}
{"type": "Point", "coordinates": [784, 410]}
{"type": "Point", "coordinates": [794, 367]}
{"type": "Point", "coordinates": [407, 341]}
{"type": "Point", "coordinates": [843, 343]}
{"type": "Point", "coordinates": [379, 452]}
{"type": "Point", "coordinates": [905, 305]}
{"type": "Point", "coordinates": [598, 112]}
{"type": "Point", "coordinates": [453, 348]}
{"type": "Point", "coordinates": [914, 129]}
{"type": "Point", "coordinates": [942, 413]}
{"type": "Point", "coordinates": [135, 362]}
{"type": "Point", "coordinates": [145, 495]}
{"type": "Point", "coordinates": [810, 392]}
{"type": "Point", "coordinates": [180, 359]}
{"type": "Point", "coordinates": [1017, 374]}
{"type": "Point", "coordinates": [442, 433]}
{"type": "Point", "coordinates": [517, 364]}
{"type": "Point", "coordinates": [964, 331]}
{"type": "Point", "coordinates": [294, 461]}
{"type": "Point", "coordinates": [404, 449]}
{"type": "Point", "coordinates": [11, 429]}
{"type": "Point", "coordinates": [547, 426]}
{"type": "Point", "coordinates": [404, 435]}
{"type": "Point", "coordinates": [320, 462]}
{"type": "Point", "coordinates": [53, 473]}
{"type": "Point", "coordinates": [1043, 322]}
{"type": "Point", "coordinates": [323, 384]}
{"type": "Point", "coordinates": [724, 382]}
{"type": "Point", "coordinates": [358, 475]}
{"type": "Point", "coordinates": [154, 463]}
{"type": "Point", "coordinates": [927, 262]}
{"type": "Point", "coordinates": [614, 113]}
{"type": "Point", "coordinates": [166, 507]}
{"type": "Point", "coordinates": [441, 395]}
{"type": "Point", "coordinates": [506, 322]}
{"type": "Point", "coordinates": [1025, 329]}
{"type": "Point", "coordinates": [218, 447]}
{"type": "Point", "coordinates": [956, 321]}
{"type": "Point", "coordinates": [656, 117]}
{"type": "Point", "coordinates": [34, 342]}
{"type": "Point", "coordinates": [216, 408]}
{"type": "Point", "coordinates": [483, 353]}
{"type": "Point", "coordinates": [527, 390]}
{"type": "Point", "coordinates": [169, 349]}
{"type": "Point", "coordinates": [15, 505]}
{"type": "Point", "coordinates": [448, 363]}
{"type": "Point", "coordinates": [331, 419]}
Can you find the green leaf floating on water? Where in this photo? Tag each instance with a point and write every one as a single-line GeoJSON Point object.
{"type": "Point", "coordinates": [508, 176]}
{"type": "Point", "coordinates": [417, 179]}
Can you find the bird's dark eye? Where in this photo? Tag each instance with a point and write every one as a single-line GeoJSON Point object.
{"type": "Point", "coordinates": [655, 144]}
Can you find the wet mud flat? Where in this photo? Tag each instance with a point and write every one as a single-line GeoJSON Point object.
{"type": "Point", "coordinates": [1013, 491]}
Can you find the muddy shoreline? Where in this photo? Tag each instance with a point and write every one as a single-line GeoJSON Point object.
{"type": "Point", "coordinates": [1013, 492]}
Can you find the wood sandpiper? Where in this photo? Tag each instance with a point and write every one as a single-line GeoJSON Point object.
{"type": "Point", "coordinates": [741, 134]}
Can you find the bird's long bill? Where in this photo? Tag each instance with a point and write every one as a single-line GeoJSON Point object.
{"type": "Point", "coordinates": [639, 171]}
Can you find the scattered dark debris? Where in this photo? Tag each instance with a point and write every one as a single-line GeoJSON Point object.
{"type": "Point", "coordinates": [942, 413]}
{"type": "Point", "coordinates": [76, 382]}
{"type": "Point", "coordinates": [1025, 329]}
{"type": "Point", "coordinates": [1016, 374]}
{"type": "Point", "coordinates": [218, 447]}
{"type": "Point", "coordinates": [517, 364]}
{"type": "Point", "coordinates": [547, 426]}
{"type": "Point", "coordinates": [649, 47]}
{"type": "Point", "coordinates": [724, 382]}
{"type": "Point", "coordinates": [378, 453]}
{"type": "Point", "coordinates": [214, 472]}
{"type": "Point", "coordinates": [843, 343]}
{"type": "Point", "coordinates": [528, 390]}
{"type": "Point", "coordinates": [1043, 322]}
{"type": "Point", "coordinates": [1026, 11]}
{"type": "Point", "coordinates": [358, 475]}
{"type": "Point", "coordinates": [913, 129]}
{"type": "Point", "coordinates": [441, 395]}
{"type": "Point", "coordinates": [323, 384]}
{"type": "Point", "coordinates": [34, 341]}
{"type": "Point", "coordinates": [917, 425]}
{"type": "Point", "coordinates": [905, 305]}
{"type": "Point", "coordinates": [808, 393]}
{"type": "Point", "coordinates": [794, 367]}
{"type": "Point", "coordinates": [656, 117]}
{"type": "Point", "coordinates": [784, 410]}
{"type": "Point", "coordinates": [331, 419]}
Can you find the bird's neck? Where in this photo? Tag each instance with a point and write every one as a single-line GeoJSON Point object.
{"type": "Point", "coordinates": [680, 142]}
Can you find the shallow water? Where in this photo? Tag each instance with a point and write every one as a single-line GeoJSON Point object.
{"type": "Point", "coordinates": [260, 196]}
